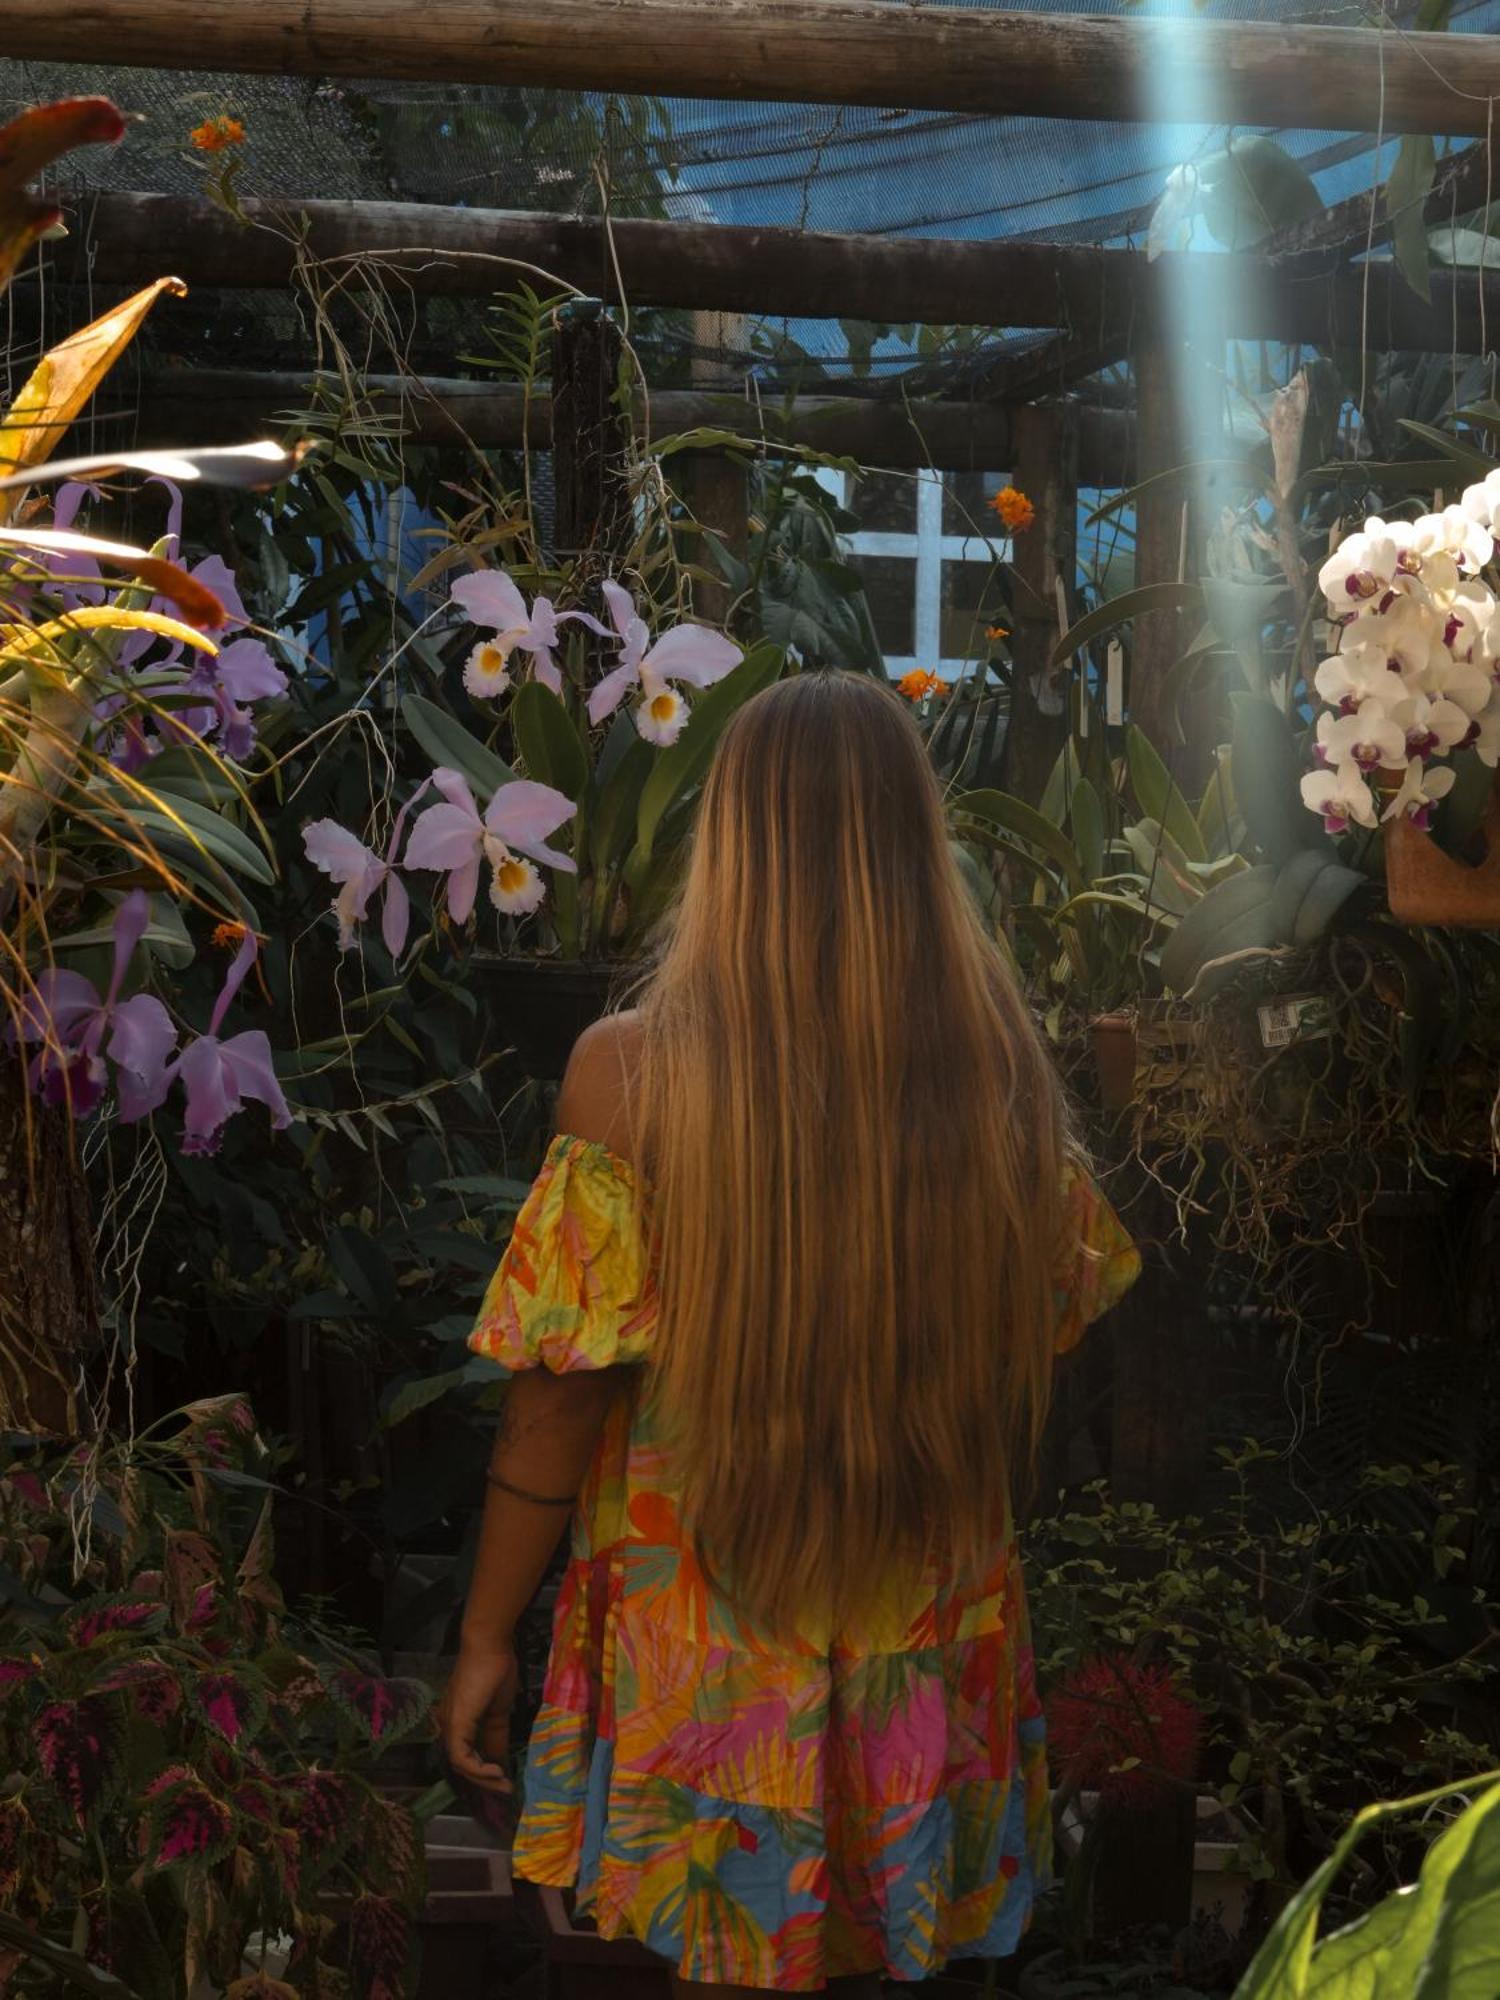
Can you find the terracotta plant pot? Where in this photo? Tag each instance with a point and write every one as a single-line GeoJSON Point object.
{"type": "Point", "coordinates": [1427, 886]}
{"type": "Point", "coordinates": [543, 1005]}
{"type": "Point", "coordinates": [1114, 1059]}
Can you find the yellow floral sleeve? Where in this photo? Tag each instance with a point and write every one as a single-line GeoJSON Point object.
{"type": "Point", "coordinates": [573, 1290]}
{"type": "Point", "coordinates": [1098, 1263]}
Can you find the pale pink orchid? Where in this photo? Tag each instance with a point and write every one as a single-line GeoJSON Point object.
{"type": "Point", "coordinates": [217, 1076]}
{"type": "Point", "coordinates": [490, 599]}
{"type": "Point", "coordinates": [65, 1015]}
{"type": "Point", "coordinates": [455, 840]}
{"type": "Point", "coordinates": [693, 654]}
{"type": "Point", "coordinates": [361, 873]}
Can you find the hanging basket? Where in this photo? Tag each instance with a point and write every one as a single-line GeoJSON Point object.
{"type": "Point", "coordinates": [1425, 885]}
{"type": "Point", "coordinates": [543, 1005]}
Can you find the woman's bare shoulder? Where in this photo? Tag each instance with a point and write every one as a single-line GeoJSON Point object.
{"type": "Point", "coordinates": [595, 1099]}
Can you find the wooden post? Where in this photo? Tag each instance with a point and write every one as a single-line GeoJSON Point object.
{"type": "Point", "coordinates": [1159, 1445]}
{"type": "Point", "coordinates": [1046, 471]}
{"type": "Point", "coordinates": [1159, 519]}
{"type": "Point", "coordinates": [1108, 296]}
{"type": "Point", "coordinates": [919, 57]}
{"type": "Point", "coordinates": [714, 487]}
{"type": "Point", "coordinates": [49, 1301]}
{"type": "Point", "coordinates": [591, 438]}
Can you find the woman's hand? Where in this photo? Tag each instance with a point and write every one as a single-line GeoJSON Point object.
{"type": "Point", "coordinates": [474, 1713]}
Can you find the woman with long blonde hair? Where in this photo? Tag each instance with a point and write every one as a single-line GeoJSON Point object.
{"type": "Point", "coordinates": [787, 1294]}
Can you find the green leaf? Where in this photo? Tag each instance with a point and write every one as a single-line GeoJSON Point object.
{"type": "Point", "coordinates": [683, 766]}
{"type": "Point", "coordinates": [1000, 809]}
{"type": "Point", "coordinates": [1180, 475]}
{"type": "Point", "coordinates": [1087, 816]}
{"type": "Point", "coordinates": [1465, 456]}
{"type": "Point", "coordinates": [1407, 189]}
{"type": "Point", "coordinates": [218, 840]}
{"type": "Point", "coordinates": [446, 741]}
{"type": "Point", "coordinates": [1160, 796]}
{"type": "Point", "coordinates": [1267, 773]}
{"type": "Point", "coordinates": [1254, 188]}
{"type": "Point", "coordinates": [548, 741]}
{"type": "Point", "coordinates": [619, 802]}
{"type": "Point", "coordinates": [1234, 917]}
{"type": "Point", "coordinates": [410, 1397]}
{"type": "Point", "coordinates": [1438, 1940]}
{"type": "Point", "coordinates": [1120, 610]}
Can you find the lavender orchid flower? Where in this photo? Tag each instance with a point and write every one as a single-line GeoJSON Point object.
{"type": "Point", "coordinates": [490, 599]}
{"type": "Point", "coordinates": [217, 1076]}
{"type": "Point", "coordinates": [344, 857]}
{"type": "Point", "coordinates": [453, 839]}
{"type": "Point", "coordinates": [694, 654]}
{"type": "Point", "coordinates": [66, 1016]}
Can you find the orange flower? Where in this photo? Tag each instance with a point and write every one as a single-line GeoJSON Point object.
{"type": "Point", "coordinates": [997, 631]}
{"type": "Point", "coordinates": [227, 936]}
{"type": "Point", "coordinates": [918, 684]}
{"type": "Point", "coordinates": [215, 134]}
{"type": "Point", "coordinates": [1014, 509]}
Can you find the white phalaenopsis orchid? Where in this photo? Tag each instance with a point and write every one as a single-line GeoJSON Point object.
{"type": "Point", "coordinates": [1341, 796]}
{"type": "Point", "coordinates": [693, 654]}
{"type": "Point", "coordinates": [1430, 726]}
{"type": "Point", "coordinates": [1482, 502]}
{"type": "Point", "coordinates": [1421, 788]}
{"type": "Point", "coordinates": [490, 599]}
{"type": "Point", "coordinates": [1447, 546]}
{"type": "Point", "coordinates": [1416, 674]}
{"type": "Point", "coordinates": [1364, 567]}
{"type": "Point", "coordinates": [1368, 738]}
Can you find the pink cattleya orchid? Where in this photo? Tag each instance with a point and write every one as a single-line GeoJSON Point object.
{"type": "Point", "coordinates": [694, 654]}
{"type": "Point", "coordinates": [490, 599]}
{"type": "Point", "coordinates": [344, 857]}
{"type": "Point", "coordinates": [218, 1076]}
{"type": "Point", "coordinates": [66, 1016]}
{"type": "Point", "coordinates": [455, 840]}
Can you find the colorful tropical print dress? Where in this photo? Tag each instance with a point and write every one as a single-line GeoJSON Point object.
{"type": "Point", "coordinates": [763, 1813]}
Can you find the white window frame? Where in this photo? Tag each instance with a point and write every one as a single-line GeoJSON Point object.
{"type": "Point", "coordinates": [928, 549]}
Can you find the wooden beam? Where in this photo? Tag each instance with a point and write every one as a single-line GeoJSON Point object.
{"type": "Point", "coordinates": [1096, 295]}
{"type": "Point", "coordinates": [215, 406]}
{"type": "Point", "coordinates": [1047, 65]}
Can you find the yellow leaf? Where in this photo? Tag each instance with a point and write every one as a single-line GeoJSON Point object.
{"type": "Point", "coordinates": [18, 640]}
{"type": "Point", "coordinates": [63, 382]}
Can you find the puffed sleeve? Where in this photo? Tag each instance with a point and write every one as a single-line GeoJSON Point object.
{"type": "Point", "coordinates": [573, 1290]}
{"type": "Point", "coordinates": [1097, 1262]}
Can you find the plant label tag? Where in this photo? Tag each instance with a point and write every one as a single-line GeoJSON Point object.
{"type": "Point", "coordinates": [1114, 684]}
{"type": "Point", "coordinates": [1303, 1017]}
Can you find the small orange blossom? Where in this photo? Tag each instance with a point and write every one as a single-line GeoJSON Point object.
{"type": "Point", "coordinates": [997, 631]}
{"type": "Point", "coordinates": [918, 684]}
{"type": "Point", "coordinates": [228, 936]}
{"type": "Point", "coordinates": [1014, 509]}
{"type": "Point", "coordinates": [215, 134]}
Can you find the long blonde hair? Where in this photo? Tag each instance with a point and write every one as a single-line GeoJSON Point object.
{"type": "Point", "coordinates": [854, 1141]}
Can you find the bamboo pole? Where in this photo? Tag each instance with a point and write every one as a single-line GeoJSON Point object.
{"type": "Point", "coordinates": [1048, 65]}
{"type": "Point", "coordinates": [213, 406]}
{"type": "Point", "coordinates": [1095, 294]}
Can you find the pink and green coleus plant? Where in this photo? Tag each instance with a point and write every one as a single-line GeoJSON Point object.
{"type": "Point", "coordinates": [694, 655]}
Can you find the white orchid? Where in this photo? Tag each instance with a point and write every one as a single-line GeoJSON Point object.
{"type": "Point", "coordinates": [1369, 737]}
{"type": "Point", "coordinates": [1408, 635]}
{"type": "Point", "coordinates": [1341, 795]}
{"type": "Point", "coordinates": [1482, 502]}
{"type": "Point", "coordinates": [1452, 537]}
{"type": "Point", "coordinates": [490, 599]}
{"type": "Point", "coordinates": [1356, 675]}
{"type": "Point", "coordinates": [694, 654]}
{"type": "Point", "coordinates": [1485, 739]}
{"type": "Point", "coordinates": [1430, 727]}
{"type": "Point", "coordinates": [1365, 566]}
{"type": "Point", "coordinates": [1421, 788]}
